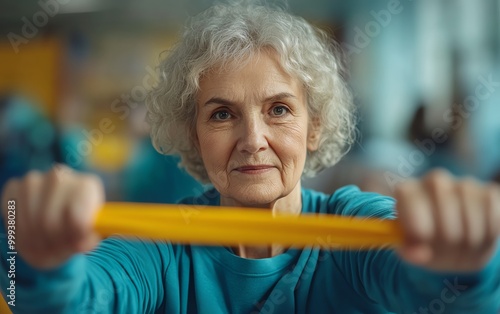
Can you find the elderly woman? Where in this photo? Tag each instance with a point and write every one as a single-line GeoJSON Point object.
{"type": "Point", "coordinates": [253, 98]}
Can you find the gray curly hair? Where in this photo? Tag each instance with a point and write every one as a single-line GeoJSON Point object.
{"type": "Point", "coordinates": [228, 33]}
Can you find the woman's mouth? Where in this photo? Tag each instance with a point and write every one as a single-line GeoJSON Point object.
{"type": "Point", "coordinates": [254, 169]}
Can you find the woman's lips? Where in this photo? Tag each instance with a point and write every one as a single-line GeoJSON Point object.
{"type": "Point", "coordinates": [254, 169]}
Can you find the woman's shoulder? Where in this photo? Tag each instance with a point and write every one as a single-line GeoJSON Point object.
{"type": "Point", "coordinates": [348, 201]}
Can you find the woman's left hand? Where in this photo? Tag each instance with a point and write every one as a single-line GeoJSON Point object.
{"type": "Point", "coordinates": [448, 224]}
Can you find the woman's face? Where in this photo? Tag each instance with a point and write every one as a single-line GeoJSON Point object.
{"type": "Point", "coordinates": [252, 130]}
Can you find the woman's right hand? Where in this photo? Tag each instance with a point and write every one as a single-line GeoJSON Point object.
{"type": "Point", "coordinates": [54, 214]}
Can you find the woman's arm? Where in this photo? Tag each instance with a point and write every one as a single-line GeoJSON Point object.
{"type": "Point", "coordinates": [459, 276]}
{"type": "Point", "coordinates": [381, 277]}
{"type": "Point", "coordinates": [119, 276]}
{"type": "Point", "coordinates": [55, 261]}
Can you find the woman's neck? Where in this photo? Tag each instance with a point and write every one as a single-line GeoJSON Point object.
{"type": "Point", "coordinates": [290, 204]}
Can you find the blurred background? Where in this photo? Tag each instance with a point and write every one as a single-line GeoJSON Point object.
{"type": "Point", "coordinates": [74, 75]}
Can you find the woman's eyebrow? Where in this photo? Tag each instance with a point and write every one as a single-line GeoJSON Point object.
{"type": "Point", "coordinates": [229, 103]}
{"type": "Point", "coordinates": [279, 97]}
{"type": "Point", "coordinates": [220, 101]}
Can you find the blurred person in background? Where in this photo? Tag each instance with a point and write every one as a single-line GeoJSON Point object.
{"type": "Point", "coordinates": [449, 154]}
{"type": "Point", "coordinates": [29, 141]}
{"type": "Point", "coordinates": [253, 99]}
{"type": "Point", "coordinates": [143, 177]}
{"type": "Point", "coordinates": [497, 177]}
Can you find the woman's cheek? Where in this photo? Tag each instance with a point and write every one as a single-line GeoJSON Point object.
{"type": "Point", "coordinates": [216, 152]}
{"type": "Point", "coordinates": [213, 140]}
{"type": "Point", "coordinates": [291, 138]}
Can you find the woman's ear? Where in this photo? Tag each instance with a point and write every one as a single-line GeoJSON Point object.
{"type": "Point", "coordinates": [313, 134]}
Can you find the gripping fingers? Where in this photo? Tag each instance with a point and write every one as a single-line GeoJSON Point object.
{"type": "Point", "coordinates": [10, 192]}
{"type": "Point", "coordinates": [86, 199]}
{"type": "Point", "coordinates": [493, 213]}
{"type": "Point", "coordinates": [414, 211]}
{"type": "Point", "coordinates": [47, 219]}
{"type": "Point", "coordinates": [28, 203]}
{"type": "Point", "coordinates": [447, 211]}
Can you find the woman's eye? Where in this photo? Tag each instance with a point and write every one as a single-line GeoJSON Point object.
{"type": "Point", "coordinates": [221, 115]}
{"type": "Point", "coordinates": [280, 110]}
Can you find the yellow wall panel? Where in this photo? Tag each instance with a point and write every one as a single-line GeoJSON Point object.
{"type": "Point", "coordinates": [33, 71]}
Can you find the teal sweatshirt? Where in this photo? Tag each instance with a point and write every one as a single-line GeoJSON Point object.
{"type": "Point", "coordinates": [138, 276]}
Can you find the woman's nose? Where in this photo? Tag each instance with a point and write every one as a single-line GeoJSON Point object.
{"type": "Point", "coordinates": [252, 135]}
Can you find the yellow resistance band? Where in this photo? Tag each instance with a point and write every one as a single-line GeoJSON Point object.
{"type": "Point", "coordinates": [209, 225]}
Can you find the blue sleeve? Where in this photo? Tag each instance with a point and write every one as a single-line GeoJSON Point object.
{"type": "Point", "coordinates": [381, 277]}
{"type": "Point", "coordinates": [120, 276]}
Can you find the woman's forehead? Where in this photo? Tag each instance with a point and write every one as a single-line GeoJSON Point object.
{"type": "Point", "coordinates": [264, 58]}
{"type": "Point", "coordinates": [262, 73]}
{"type": "Point", "coordinates": [239, 93]}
